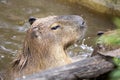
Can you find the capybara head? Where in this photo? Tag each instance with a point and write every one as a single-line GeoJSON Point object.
{"type": "Point", "coordinates": [61, 30]}
{"type": "Point", "coordinates": [47, 40]}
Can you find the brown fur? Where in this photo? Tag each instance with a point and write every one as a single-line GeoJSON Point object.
{"type": "Point", "coordinates": [45, 47]}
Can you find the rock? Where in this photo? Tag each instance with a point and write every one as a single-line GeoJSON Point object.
{"type": "Point", "coordinates": [111, 7]}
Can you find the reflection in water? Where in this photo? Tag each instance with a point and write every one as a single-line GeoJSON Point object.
{"type": "Point", "coordinates": [13, 23]}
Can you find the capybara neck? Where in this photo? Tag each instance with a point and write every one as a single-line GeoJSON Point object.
{"type": "Point", "coordinates": [46, 53]}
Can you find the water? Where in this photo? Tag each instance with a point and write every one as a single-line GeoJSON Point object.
{"type": "Point", "coordinates": [15, 13]}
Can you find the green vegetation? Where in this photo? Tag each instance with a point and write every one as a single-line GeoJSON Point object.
{"type": "Point", "coordinates": [116, 21]}
{"type": "Point", "coordinates": [115, 74]}
{"type": "Point", "coordinates": [111, 40]}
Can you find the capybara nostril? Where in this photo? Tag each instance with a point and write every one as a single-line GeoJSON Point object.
{"type": "Point", "coordinates": [83, 24]}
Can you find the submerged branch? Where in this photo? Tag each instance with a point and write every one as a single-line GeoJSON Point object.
{"type": "Point", "coordinates": [89, 68]}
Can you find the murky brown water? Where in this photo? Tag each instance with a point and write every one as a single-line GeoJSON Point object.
{"type": "Point", "coordinates": [15, 13]}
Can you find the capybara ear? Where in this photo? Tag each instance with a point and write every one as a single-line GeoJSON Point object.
{"type": "Point", "coordinates": [31, 20]}
{"type": "Point", "coordinates": [100, 33]}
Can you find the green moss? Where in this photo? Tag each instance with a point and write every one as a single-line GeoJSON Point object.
{"type": "Point", "coordinates": [111, 38]}
{"type": "Point", "coordinates": [117, 62]}
{"type": "Point", "coordinates": [115, 74]}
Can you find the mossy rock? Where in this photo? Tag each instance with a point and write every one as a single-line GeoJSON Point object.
{"type": "Point", "coordinates": [109, 40]}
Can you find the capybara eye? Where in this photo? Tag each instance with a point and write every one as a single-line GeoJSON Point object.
{"type": "Point", "coordinates": [55, 27]}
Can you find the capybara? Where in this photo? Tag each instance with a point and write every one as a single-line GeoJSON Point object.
{"type": "Point", "coordinates": [46, 42]}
